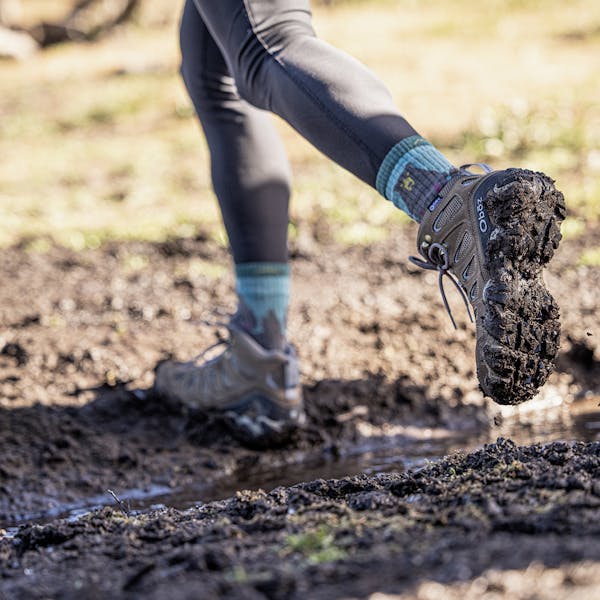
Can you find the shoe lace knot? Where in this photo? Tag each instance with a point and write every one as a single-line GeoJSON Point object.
{"type": "Point", "coordinates": [437, 258]}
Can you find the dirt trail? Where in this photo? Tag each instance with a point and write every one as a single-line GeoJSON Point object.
{"type": "Point", "coordinates": [379, 359]}
{"type": "Point", "coordinates": [381, 366]}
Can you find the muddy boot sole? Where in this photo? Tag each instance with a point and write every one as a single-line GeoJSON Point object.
{"type": "Point", "coordinates": [258, 422]}
{"type": "Point", "coordinates": [520, 336]}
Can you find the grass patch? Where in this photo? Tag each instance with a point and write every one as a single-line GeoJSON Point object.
{"type": "Point", "coordinates": [572, 228]}
{"type": "Point", "coordinates": [99, 141]}
{"type": "Point", "coordinates": [591, 257]}
{"type": "Point", "coordinates": [317, 546]}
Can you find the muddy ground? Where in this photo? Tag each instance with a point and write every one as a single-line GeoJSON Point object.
{"type": "Point", "coordinates": [381, 366]}
{"type": "Point", "coordinates": [508, 521]}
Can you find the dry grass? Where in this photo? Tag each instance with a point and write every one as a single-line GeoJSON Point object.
{"type": "Point", "coordinates": [99, 141]}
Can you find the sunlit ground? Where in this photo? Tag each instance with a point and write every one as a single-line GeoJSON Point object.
{"type": "Point", "coordinates": [573, 581]}
{"type": "Point", "coordinates": [100, 141]}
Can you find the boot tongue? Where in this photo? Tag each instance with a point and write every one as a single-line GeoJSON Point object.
{"type": "Point", "coordinates": [444, 190]}
{"type": "Point", "coordinates": [248, 346]}
{"type": "Point", "coordinates": [254, 359]}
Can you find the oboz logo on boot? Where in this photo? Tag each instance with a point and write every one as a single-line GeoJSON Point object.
{"type": "Point", "coordinates": [483, 224]}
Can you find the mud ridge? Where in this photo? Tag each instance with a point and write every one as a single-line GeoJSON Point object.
{"type": "Point", "coordinates": [458, 521]}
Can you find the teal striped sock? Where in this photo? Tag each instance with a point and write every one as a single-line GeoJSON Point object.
{"type": "Point", "coordinates": [263, 292]}
{"type": "Point", "coordinates": [412, 174]}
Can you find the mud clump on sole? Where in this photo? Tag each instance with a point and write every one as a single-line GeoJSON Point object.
{"type": "Point", "coordinates": [521, 324]}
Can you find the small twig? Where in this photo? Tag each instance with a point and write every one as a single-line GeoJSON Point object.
{"type": "Point", "coordinates": [124, 508]}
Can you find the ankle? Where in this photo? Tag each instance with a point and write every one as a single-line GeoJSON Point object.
{"type": "Point", "coordinates": [263, 298]}
{"type": "Point", "coordinates": [412, 175]}
{"type": "Point", "coordinates": [270, 338]}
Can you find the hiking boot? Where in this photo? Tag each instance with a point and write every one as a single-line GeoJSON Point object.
{"type": "Point", "coordinates": [257, 390]}
{"type": "Point", "coordinates": [494, 233]}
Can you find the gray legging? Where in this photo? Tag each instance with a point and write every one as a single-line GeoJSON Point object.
{"type": "Point", "coordinates": [239, 56]}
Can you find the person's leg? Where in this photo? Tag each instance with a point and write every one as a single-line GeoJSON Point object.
{"type": "Point", "coordinates": [250, 175]}
{"type": "Point", "coordinates": [254, 381]}
{"type": "Point", "coordinates": [493, 232]}
{"type": "Point", "coordinates": [334, 101]}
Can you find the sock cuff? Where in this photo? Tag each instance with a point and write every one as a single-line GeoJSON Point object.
{"type": "Point", "coordinates": [263, 291]}
{"type": "Point", "coordinates": [262, 269]}
{"type": "Point", "coordinates": [413, 149]}
{"type": "Point", "coordinates": [263, 280]}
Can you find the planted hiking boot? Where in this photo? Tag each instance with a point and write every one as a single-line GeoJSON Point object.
{"type": "Point", "coordinates": [494, 233]}
{"type": "Point", "coordinates": [257, 390]}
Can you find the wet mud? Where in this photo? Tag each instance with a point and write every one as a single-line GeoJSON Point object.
{"type": "Point", "coordinates": [461, 521]}
{"type": "Point", "coordinates": [382, 368]}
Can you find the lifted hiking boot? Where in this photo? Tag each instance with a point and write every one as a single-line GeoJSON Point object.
{"type": "Point", "coordinates": [257, 390]}
{"type": "Point", "coordinates": [494, 233]}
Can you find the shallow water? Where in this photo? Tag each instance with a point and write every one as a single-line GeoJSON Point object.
{"type": "Point", "coordinates": [538, 423]}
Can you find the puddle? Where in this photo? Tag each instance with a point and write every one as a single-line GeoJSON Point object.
{"type": "Point", "coordinates": [528, 425]}
{"type": "Point", "coordinates": [362, 459]}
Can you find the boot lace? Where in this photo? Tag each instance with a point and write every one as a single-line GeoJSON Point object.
{"type": "Point", "coordinates": [225, 342]}
{"type": "Point", "coordinates": [439, 260]}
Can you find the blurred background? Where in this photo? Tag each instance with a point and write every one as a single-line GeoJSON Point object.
{"type": "Point", "coordinates": [99, 141]}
